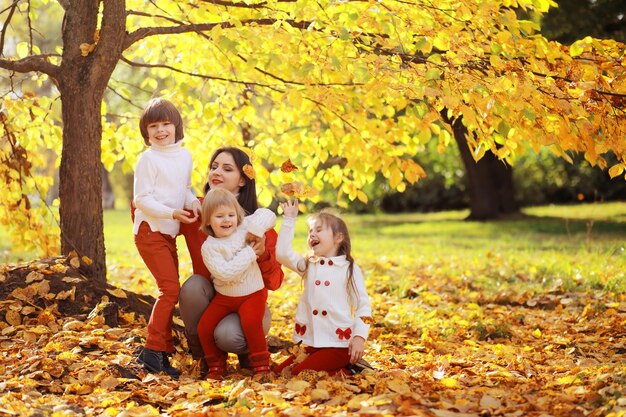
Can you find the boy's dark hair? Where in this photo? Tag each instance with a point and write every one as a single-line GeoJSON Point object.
{"type": "Point", "coordinates": [247, 193]}
{"type": "Point", "coordinates": [160, 110]}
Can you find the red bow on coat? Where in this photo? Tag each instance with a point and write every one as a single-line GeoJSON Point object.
{"type": "Point", "coordinates": [300, 329]}
{"type": "Point", "coordinates": [344, 334]}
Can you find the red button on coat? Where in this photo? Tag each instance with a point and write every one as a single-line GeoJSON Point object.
{"type": "Point", "coordinates": [330, 262]}
{"type": "Point", "coordinates": [322, 262]}
{"type": "Point", "coordinates": [324, 312]}
{"type": "Point", "coordinates": [327, 283]}
{"type": "Point", "coordinates": [317, 282]}
{"type": "Point", "coordinates": [315, 312]}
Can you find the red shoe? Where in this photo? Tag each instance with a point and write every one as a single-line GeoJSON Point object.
{"type": "Point", "coordinates": [216, 373]}
{"type": "Point", "coordinates": [261, 370]}
{"type": "Point", "coordinates": [216, 369]}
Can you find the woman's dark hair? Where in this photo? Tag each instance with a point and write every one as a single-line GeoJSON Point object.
{"type": "Point", "coordinates": [247, 193]}
{"type": "Point", "coordinates": [160, 110]}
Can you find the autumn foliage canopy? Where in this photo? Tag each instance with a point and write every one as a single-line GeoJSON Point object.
{"type": "Point", "coordinates": [346, 89]}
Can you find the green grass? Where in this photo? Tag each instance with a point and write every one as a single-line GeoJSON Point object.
{"type": "Point", "coordinates": [570, 248]}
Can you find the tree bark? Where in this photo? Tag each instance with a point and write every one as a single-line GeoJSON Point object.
{"type": "Point", "coordinates": [80, 185]}
{"type": "Point", "coordinates": [490, 180]}
{"type": "Point", "coordinates": [81, 82]}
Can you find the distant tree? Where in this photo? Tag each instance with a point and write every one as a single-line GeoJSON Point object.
{"type": "Point", "coordinates": [575, 19]}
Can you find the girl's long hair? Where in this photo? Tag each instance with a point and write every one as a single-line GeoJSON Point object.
{"type": "Point", "coordinates": [338, 226]}
{"type": "Point", "coordinates": [247, 193]}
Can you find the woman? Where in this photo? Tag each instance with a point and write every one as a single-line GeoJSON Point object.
{"type": "Point", "coordinates": [226, 171]}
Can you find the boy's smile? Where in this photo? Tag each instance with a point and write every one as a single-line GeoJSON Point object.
{"type": "Point", "coordinates": [161, 133]}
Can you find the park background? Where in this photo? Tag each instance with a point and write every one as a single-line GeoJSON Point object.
{"type": "Point", "coordinates": [521, 313]}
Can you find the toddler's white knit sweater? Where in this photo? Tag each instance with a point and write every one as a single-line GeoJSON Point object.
{"type": "Point", "coordinates": [232, 262]}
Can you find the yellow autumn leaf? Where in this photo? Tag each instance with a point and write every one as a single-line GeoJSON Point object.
{"type": "Point", "coordinates": [567, 380]}
{"type": "Point", "coordinates": [118, 292]}
{"type": "Point", "coordinates": [69, 294]}
{"type": "Point", "coordinates": [537, 333]}
{"type": "Point", "coordinates": [73, 325]}
{"type": "Point", "coordinates": [273, 398]}
{"type": "Point", "coordinates": [449, 382]}
{"type": "Point", "coordinates": [86, 48]}
{"type": "Point", "coordinates": [297, 385]}
{"type": "Point", "coordinates": [109, 382]}
{"type": "Point", "coordinates": [616, 170]}
{"type": "Point", "coordinates": [319, 395]}
{"type": "Point", "coordinates": [67, 356]}
{"type": "Point", "coordinates": [298, 190]}
{"type": "Point", "coordinates": [13, 318]}
{"type": "Point", "coordinates": [249, 171]}
{"type": "Point", "coordinates": [33, 276]}
{"type": "Point", "coordinates": [398, 386]}
{"type": "Point", "coordinates": [59, 268]}
{"type": "Point", "coordinates": [41, 288]}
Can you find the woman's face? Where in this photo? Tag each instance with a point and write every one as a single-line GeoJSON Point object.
{"type": "Point", "coordinates": [224, 173]}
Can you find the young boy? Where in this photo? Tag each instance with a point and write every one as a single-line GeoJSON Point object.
{"type": "Point", "coordinates": [162, 192]}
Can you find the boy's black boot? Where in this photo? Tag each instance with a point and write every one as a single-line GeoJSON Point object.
{"type": "Point", "coordinates": [155, 362]}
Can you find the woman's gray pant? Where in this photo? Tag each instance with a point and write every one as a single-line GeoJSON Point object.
{"type": "Point", "coordinates": [195, 295]}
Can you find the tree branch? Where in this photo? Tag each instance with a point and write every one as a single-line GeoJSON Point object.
{"type": "Point", "coordinates": [284, 81]}
{"type": "Point", "coordinates": [142, 33]}
{"type": "Point", "coordinates": [37, 63]}
{"type": "Point", "coordinates": [123, 97]}
{"type": "Point", "coordinates": [5, 25]}
{"type": "Point", "coordinates": [242, 4]}
{"type": "Point", "coordinates": [157, 16]}
{"type": "Point", "coordinates": [191, 74]}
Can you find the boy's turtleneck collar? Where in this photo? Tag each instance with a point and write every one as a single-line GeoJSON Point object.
{"type": "Point", "coordinates": [167, 148]}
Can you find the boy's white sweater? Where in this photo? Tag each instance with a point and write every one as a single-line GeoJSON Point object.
{"type": "Point", "coordinates": [232, 262]}
{"type": "Point", "coordinates": [162, 184]}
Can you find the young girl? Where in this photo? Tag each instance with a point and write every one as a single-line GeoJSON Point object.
{"type": "Point", "coordinates": [162, 192]}
{"type": "Point", "coordinates": [334, 307]}
{"type": "Point", "coordinates": [236, 276]}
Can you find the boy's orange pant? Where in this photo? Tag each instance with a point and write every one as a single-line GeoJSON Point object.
{"type": "Point", "coordinates": [158, 252]}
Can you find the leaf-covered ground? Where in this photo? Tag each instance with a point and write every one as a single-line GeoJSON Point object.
{"type": "Point", "coordinates": [442, 348]}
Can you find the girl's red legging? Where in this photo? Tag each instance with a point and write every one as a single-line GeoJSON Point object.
{"type": "Point", "coordinates": [327, 359]}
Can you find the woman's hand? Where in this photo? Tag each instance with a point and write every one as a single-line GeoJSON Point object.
{"type": "Point", "coordinates": [290, 208]}
{"type": "Point", "coordinates": [256, 243]}
{"type": "Point", "coordinates": [356, 349]}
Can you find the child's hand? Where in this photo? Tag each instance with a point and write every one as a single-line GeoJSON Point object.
{"type": "Point", "coordinates": [196, 207]}
{"type": "Point", "coordinates": [290, 208]}
{"type": "Point", "coordinates": [183, 216]}
{"type": "Point", "coordinates": [356, 349]}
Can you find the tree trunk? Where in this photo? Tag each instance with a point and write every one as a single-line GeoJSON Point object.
{"type": "Point", "coordinates": [490, 181]}
{"type": "Point", "coordinates": [80, 185]}
{"type": "Point", "coordinates": [81, 84]}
